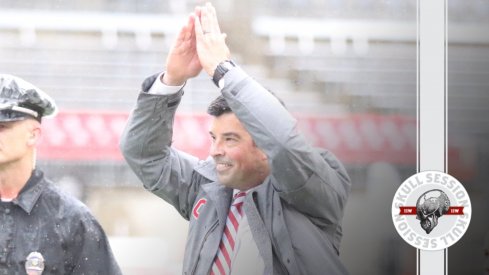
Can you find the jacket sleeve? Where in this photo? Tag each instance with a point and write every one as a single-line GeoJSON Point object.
{"type": "Point", "coordinates": [314, 182]}
{"type": "Point", "coordinates": [146, 146]}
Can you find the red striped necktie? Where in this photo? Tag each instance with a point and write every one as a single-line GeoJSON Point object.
{"type": "Point", "coordinates": [222, 262]}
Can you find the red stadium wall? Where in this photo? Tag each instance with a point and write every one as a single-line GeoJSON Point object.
{"type": "Point", "coordinates": [355, 139]}
{"type": "Point", "coordinates": [88, 135]}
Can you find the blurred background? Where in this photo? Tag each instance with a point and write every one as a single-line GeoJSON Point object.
{"type": "Point", "coordinates": [346, 70]}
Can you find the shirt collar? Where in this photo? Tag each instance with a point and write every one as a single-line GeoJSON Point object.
{"type": "Point", "coordinates": [236, 191]}
{"type": "Point", "coordinates": [30, 193]}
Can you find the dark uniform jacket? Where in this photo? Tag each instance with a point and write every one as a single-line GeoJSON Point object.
{"type": "Point", "coordinates": [43, 219]}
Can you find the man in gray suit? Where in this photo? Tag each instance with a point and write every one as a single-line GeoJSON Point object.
{"type": "Point", "coordinates": [265, 201]}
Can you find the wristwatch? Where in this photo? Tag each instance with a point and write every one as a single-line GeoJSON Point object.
{"type": "Point", "coordinates": [220, 71]}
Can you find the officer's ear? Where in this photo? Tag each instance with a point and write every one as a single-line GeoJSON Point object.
{"type": "Point", "coordinates": [34, 133]}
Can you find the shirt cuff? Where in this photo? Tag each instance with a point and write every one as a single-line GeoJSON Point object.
{"type": "Point", "coordinates": [160, 88]}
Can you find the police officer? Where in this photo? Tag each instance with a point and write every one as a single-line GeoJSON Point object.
{"type": "Point", "coordinates": [42, 230]}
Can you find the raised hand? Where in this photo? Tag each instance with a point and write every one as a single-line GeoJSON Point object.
{"type": "Point", "coordinates": [183, 62]}
{"type": "Point", "coordinates": [211, 43]}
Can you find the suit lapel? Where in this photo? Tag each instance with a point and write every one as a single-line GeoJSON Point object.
{"type": "Point", "coordinates": [221, 198]}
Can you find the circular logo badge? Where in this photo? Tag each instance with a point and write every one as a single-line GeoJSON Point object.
{"type": "Point", "coordinates": [431, 210]}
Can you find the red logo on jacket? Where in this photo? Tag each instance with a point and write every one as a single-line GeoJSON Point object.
{"type": "Point", "coordinates": [197, 207]}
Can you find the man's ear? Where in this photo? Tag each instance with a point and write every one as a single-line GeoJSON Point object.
{"type": "Point", "coordinates": [263, 156]}
{"type": "Point", "coordinates": [34, 135]}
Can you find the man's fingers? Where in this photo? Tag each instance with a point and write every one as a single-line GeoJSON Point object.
{"type": "Point", "coordinates": [198, 11]}
{"type": "Point", "coordinates": [213, 17]}
{"type": "Point", "coordinates": [208, 19]}
{"type": "Point", "coordinates": [198, 27]}
{"type": "Point", "coordinates": [186, 30]}
{"type": "Point", "coordinates": [191, 25]}
{"type": "Point", "coordinates": [210, 8]}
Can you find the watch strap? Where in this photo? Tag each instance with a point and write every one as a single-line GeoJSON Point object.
{"type": "Point", "coordinates": [221, 70]}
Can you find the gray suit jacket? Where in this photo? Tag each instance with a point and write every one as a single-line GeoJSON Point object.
{"type": "Point", "coordinates": [294, 216]}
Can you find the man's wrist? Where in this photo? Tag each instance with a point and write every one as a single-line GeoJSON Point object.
{"type": "Point", "coordinates": [221, 69]}
{"type": "Point", "coordinates": [160, 88]}
{"type": "Point", "coordinates": [168, 80]}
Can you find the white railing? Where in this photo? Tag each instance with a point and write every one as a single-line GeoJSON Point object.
{"type": "Point", "coordinates": [109, 25]}
{"type": "Point", "coordinates": [360, 32]}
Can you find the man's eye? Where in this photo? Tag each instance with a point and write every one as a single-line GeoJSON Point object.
{"type": "Point", "coordinates": [231, 141]}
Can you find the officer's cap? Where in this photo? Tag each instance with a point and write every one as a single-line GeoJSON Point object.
{"type": "Point", "coordinates": [20, 99]}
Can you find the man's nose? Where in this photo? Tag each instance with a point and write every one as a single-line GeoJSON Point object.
{"type": "Point", "coordinates": [216, 149]}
